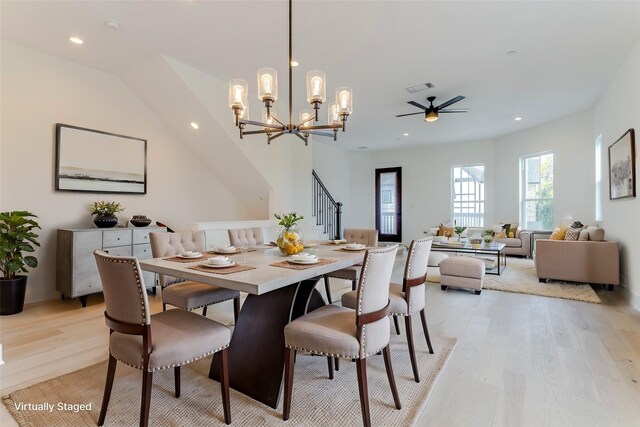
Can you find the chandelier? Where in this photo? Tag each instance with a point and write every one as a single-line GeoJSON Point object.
{"type": "Point", "coordinates": [306, 126]}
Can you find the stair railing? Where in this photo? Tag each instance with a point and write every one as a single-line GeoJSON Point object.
{"type": "Point", "coordinates": [327, 211]}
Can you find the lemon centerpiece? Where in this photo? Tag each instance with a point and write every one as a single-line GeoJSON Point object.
{"type": "Point", "coordinates": [289, 239]}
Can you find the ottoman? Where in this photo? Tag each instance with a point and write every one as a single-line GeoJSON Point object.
{"type": "Point", "coordinates": [462, 272]}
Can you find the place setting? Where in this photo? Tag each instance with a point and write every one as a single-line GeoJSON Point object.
{"type": "Point", "coordinates": [302, 261]}
{"type": "Point", "coordinates": [230, 250]}
{"type": "Point", "coordinates": [186, 257]}
{"type": "Point", "coordinates": [352, 247]}
{"type": "Point", "coordinates": [221, 265]}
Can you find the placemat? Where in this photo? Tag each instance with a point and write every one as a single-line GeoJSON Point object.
{"type": "Point", "coordinates": [184, 260]}
{"type": "Point", "coordinates": [286, 264]}
{"type": "Point", "coordinates": [351, 250]}
{"type": "Point", "coordinates": [227, 270]}
{"type": "Point", "coordinates": [238, 251]}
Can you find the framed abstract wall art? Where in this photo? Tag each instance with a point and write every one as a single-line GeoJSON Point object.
{"type": "Point", "coordinates": [622, 167]}
{"type": "Point", "coordinates": [94, 161]}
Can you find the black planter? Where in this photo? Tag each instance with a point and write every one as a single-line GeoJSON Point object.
{"type": "Point", "coordinates": [105, 221]}
{"type": "Point", "coordinates": [12, 295]}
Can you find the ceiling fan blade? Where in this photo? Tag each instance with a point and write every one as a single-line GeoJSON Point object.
{"type": "Point", "coordinates": [415, 104]}
{"type": "Point", "coordinates": [410, 114]}
{"type": "Point", "coordinates": [453, 111]}
{"type": "Point", "coordinates": [449, 102]}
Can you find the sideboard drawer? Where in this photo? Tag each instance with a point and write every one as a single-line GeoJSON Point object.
{"type": "Point", "coordinates": [116, 238]}
{"type": "Point", "coordinates": [119, 251]}
{"type": "Point", "coordinates": [142, 251]}
{"type": "Point", "coordinates": [142, 236]}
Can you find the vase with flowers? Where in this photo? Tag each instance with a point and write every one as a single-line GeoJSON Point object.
{"type": "Point", "coordinates": [105, 213]}
{"type": "Point", "coordinates": [459, 230]}
{"type": "Point", "coordinates": [290, 238]}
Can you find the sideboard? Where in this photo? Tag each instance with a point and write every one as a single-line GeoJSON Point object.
{"type": "Point", "coordinates": [76, 271]}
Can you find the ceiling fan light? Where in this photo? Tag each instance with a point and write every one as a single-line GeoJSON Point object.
{"type": "Point", "coordinates": [431, 116]}
{"type": "Point", "coordinates": [267, 84]}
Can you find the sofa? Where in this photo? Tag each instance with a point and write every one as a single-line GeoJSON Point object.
{"type": "Point", "coordinates": [518, 245]}
{"type": "Point", "coordinates": [584, 261]}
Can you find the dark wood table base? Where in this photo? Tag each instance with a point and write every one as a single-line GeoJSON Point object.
{"type": "Point", "coordinates": [256, 353]}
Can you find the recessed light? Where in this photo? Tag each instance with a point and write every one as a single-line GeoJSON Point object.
{"type": "Point", "coordinates": [294, 63]}
{"type": "Point", "coordinates": [518, 119]}
{"type": "Point", "coordinates": [76, 40]}
{"type": "Point", "coordinates": [405, 134]}
{"type": "Point", "coordinates": [195, 125]}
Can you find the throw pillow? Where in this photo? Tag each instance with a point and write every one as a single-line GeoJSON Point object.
{"type": "Point", "coordinates": [577, 224]}
{"type": "Point", "coordinates": [595, 233]}
{"type": "Point", "coordinates": [584, 235]}
{"type": "Point", "coordinates": [572, 233]}
{"type": "Point", "coordinates": [506, 228]}
{"type": "Point", "coordinates": [445, 231]}
{"type": "Point", "coordinates": [558, 233]}
{"type": "Point", "coordinates": [501, 235]}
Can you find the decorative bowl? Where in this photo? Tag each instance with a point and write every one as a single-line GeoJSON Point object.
{"type": "Point", "coordinates": [140, 221]}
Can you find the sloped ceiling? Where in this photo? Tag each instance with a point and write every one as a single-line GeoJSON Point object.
{"type": "Point", "coordinates": [567, 52]}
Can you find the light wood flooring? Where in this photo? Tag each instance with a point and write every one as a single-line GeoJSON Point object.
{"type": "Point", "coordinates": [521, 360]}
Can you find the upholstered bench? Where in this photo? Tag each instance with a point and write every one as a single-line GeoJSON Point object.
{"type": "Point", "coordinates": [462, 272]}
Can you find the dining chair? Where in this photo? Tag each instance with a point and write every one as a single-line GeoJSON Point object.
{"type": "Point", "coordinates": [367, 237]}
{"type": "Point", "coordinates": [338, 332]}
{"type": "Point", "coordinates": [408, 298]}
{"type": "Point", "coordinates": [164, 340]}
{"type": "Point", "coordinates": [246, 237]}
{"type": "Point", "coordinates": [188, 295]}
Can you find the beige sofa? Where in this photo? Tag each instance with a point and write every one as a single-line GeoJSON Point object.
{"type": "Point", "coordinates": [520, 244]}
{"type": "Point", "coordinates": [589, 261]}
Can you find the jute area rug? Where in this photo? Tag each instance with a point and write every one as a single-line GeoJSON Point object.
{"type": "Point", "coordinates": [317, 401]}
{"type": "Point", "coordinates": [520, 277]}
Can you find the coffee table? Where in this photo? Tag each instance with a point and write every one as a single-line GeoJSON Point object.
{"type": "Point", "coordinates": [493, 249]}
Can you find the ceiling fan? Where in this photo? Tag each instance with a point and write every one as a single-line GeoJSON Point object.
{"type": "Point", "coordinates": [431, 112]}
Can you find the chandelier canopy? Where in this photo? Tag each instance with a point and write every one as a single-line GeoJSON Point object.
{"type": "Point", "coordinates": [306, 126]}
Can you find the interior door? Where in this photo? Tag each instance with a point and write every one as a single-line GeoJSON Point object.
{"type": "Point", "coordinates": [389, 204]}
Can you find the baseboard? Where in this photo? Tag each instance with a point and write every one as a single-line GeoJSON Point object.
{"type": "Point", "coordinates": [633, 299]}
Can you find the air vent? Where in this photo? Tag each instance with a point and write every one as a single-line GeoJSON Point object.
{"type": "Point", "coordinates": [362, 147]}
{"type": "Point", "coordinates": [421, 86]}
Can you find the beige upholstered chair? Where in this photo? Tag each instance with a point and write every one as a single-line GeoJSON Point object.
{"type": "Point", "coordinates": [188, 295]}
{"type": "Point", "coordinates": [246, 236]}
{"type": "Point", "coordinates": [335, 331]}
{"type": "Point", "coordinates": [367, 237]}
{"type": "Point", "coordinates": [150, 343]}
{"type": "Point", "coordinates": [408, 298]}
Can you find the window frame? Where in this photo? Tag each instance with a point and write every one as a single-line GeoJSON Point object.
{"type": "Point", "coordinates": [523, 187]}
{"type": "Point", "coordinates": [482, 201]}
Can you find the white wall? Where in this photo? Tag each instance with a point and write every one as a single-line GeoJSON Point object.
{"type": "Point", "coordinates": [572, 143]}
{"type": "Point", "coordinates": [617, 111]}
{"type": "Point", "coordinates": [39, 90]}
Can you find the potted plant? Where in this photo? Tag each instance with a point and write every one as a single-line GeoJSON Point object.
{"type": "Point", "coordinates": [459, 230]}
{"type": "Point", "coordinates": [16, 236]}
{"type": "Point", "coordinates": [289, 239]}
{"type": "Point", "coordinates": [105, 213]}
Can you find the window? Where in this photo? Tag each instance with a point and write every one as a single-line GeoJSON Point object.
{"type": "Point", "coordinates": [536, 209]}
{"type": "Point", "coordinates": [468, 195]}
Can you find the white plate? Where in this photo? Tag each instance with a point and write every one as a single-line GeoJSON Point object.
{"type": "Point", "coordinates": [304, 261]}
{"type": "Point", "coordinates": [337, 242]}
{"type": "Point", "coordinates": [209, 265]}
{"type": "Point", "coordinates": [225, 250]}
{"type": "Point", "coordinates": [355, 249]}
{"type": "Point", "coordinates": [310, 245]}
{"type": "Point", "coordinates": [190, 256]}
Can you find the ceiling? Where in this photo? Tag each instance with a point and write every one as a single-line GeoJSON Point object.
{"type": "Point", "coordinates": [566, 53]}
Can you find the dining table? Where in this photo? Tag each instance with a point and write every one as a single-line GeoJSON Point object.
{"type": "Point", "coordinates": [278, 292]}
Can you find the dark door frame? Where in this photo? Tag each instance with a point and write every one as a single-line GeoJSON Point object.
{"type": "Point", "coordinates": [390, 237]}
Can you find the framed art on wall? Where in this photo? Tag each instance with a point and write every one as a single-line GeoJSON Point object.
{"type": "Point", "coordinates": [94, 161]}
{"type": "Point", "coordinates": [622, 167]}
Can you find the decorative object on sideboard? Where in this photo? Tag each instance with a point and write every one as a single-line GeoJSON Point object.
{"type": "Point", "coordinates": [622, 167]}
{"type": "Point", "coordinates": [17, 235]}
{"type": "Point", "coordinates": [271, 125]}
{"type": "Point", "coordinates": [140, 221]}
{"type": "Point", "coordinates": [94, 161]}
{"type": "Point", "coordinates": [289, 239]}
{"type": "Point", "coordinates": [459, 230]}
{"type": "Point", "coordinates": [105, 213]}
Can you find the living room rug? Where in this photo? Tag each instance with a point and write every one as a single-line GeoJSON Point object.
{"type": "Point", "coordinates": [520, 277]}
{"type": "Point", "coordinates": [316, 401]}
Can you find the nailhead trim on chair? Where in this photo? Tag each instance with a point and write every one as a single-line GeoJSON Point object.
{"type": "Point", "coordinates": [174, 365]}
{"type": "Point", "coordinates": [138, 282]}
{"type": "Point", "coordinates": [342, 356]}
